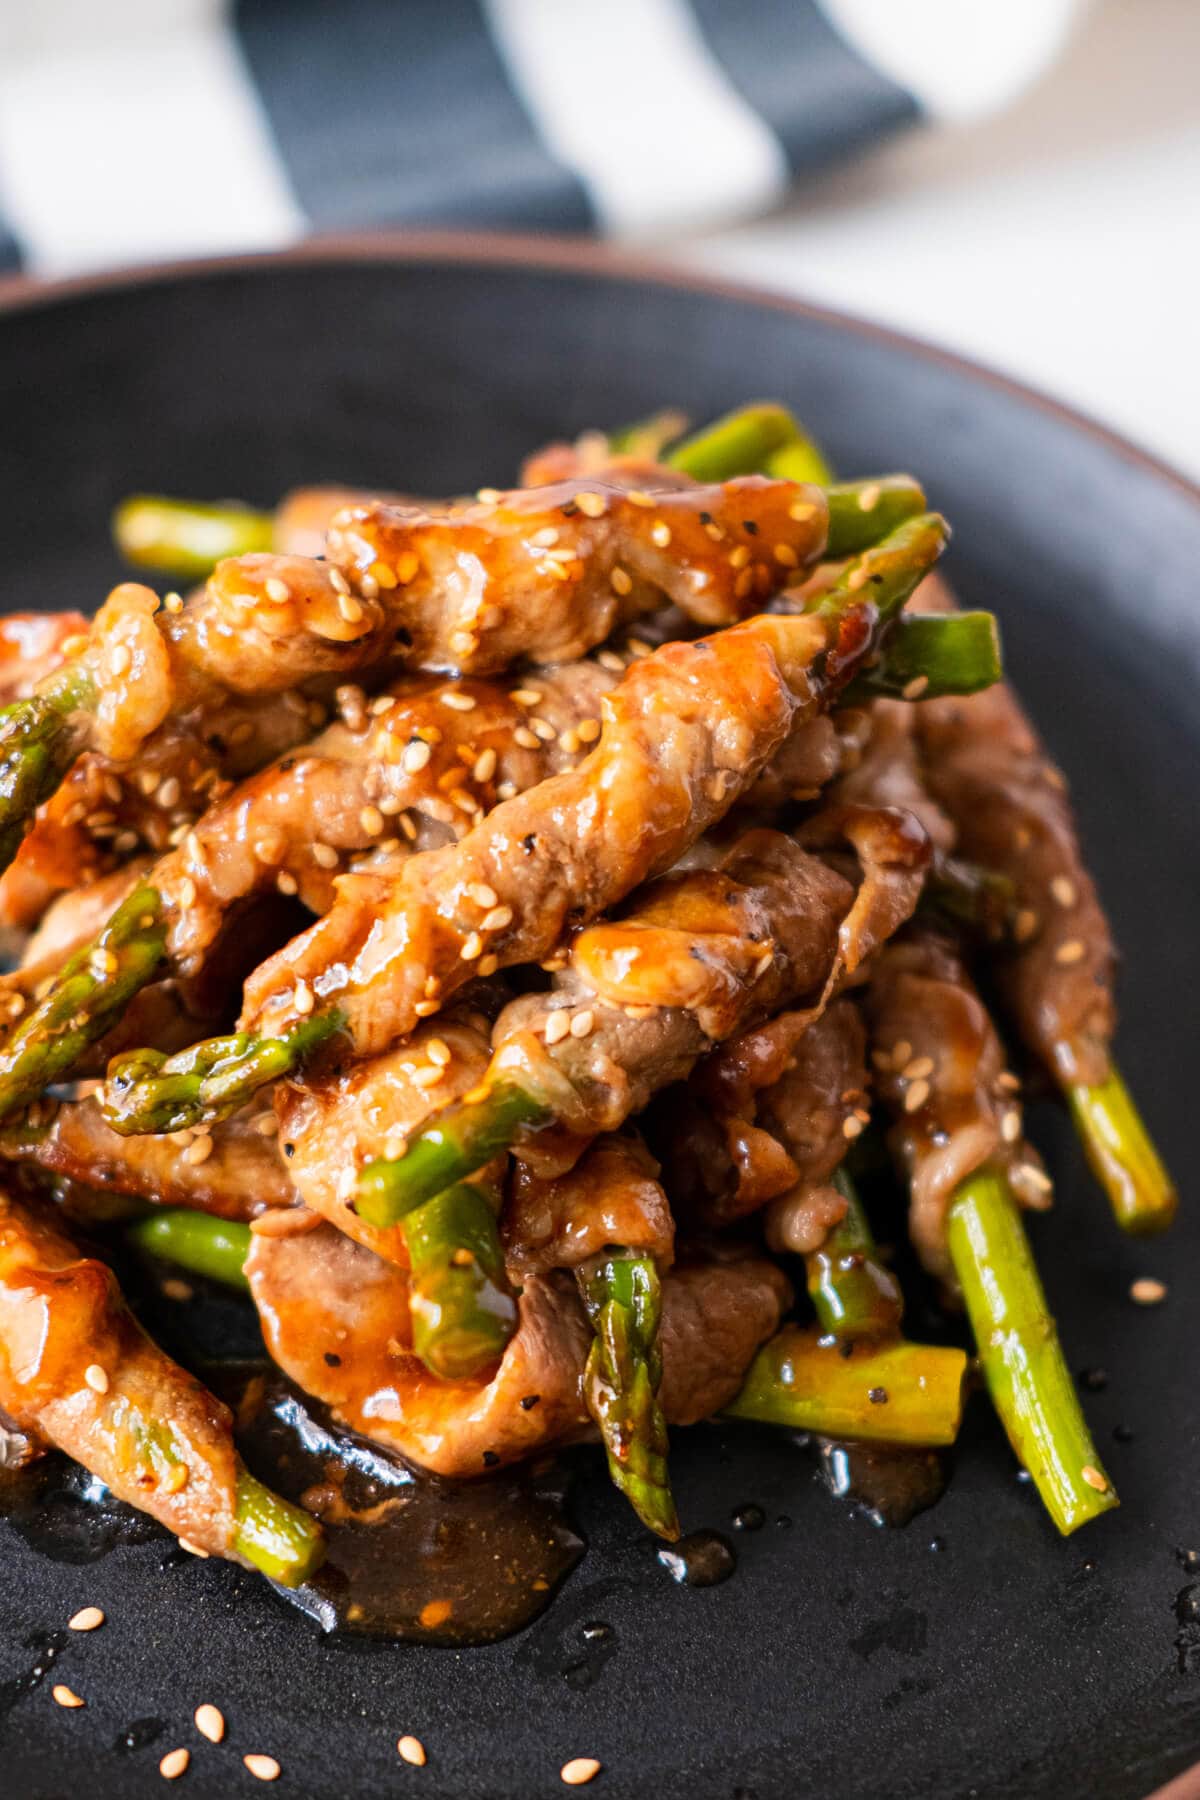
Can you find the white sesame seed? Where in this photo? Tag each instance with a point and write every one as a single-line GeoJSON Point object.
{"type": "Point", "coordinates": [497, 919]}
{"type": "Point", "coordinates": [350, 609]}
{"type": "Point", "coordinates": [588, 730]}
{"type": "Point", "coordinates": [65, 1696]}
{"type": "Point", "coordinates": [1063, 890]}
{"type": "Point", "coordinates": [287, 884]}
{"type": "Point", "coordinates": [579, 1771]}
{"type": "Point", "coordinates": [193, 1549]}
{"type": "Point", "coordinates": [621, 581]}
{"type": "Point", "coordinates": [169, 792]}
{"type": "Point", "coordinates": [338, 582]}
{"type": "Point", "coordinates": [325, 856]}
{"type": "Point", "coordinates": [523, 736]}
{"type": "Point", "coordinates": [918, 1068]}
{"type": "Point", "coordinates": [868, 499]}
{"type": "Point", "coordinates": [1025, 924]}
{"type": "Point", "coordinates": [638, 497]}
{"type": "Point", "coordinates": [483, 894]}
{"type": "Point", "coordinates": [557, 1026]}
{"type": "Point", "coordinates": [458, 702]}
{"type": "Point", "coordinates": [371, 820]}
{"type": "Point", "coordinates": [484, 766]}
{"type": "Point", "coordinates": [277, 591]}
{"type": "Point", "coordinates": [199, 1150]}
{"type": "Point", "coordinates": [302, 998]}
{"type": "Point", "coordinates": [740, 557]}
{"type": "Point", "coordinates": [785, 556]}
{"type": "Point", "coordinates": [96, 1378]}
{"type": "Point", "coordinates": [174, 1764]}
{"type": "Point", "coordinates": [1146, 1291]}
{"type": "Point", "coordinates": [660, 534]}
{"type": "Point", "coordinates": [1073, 951]}
{"type": "Point", "coordinates": [1010, 1126]}
{"type": "Point", "coordinates": [263, 1768]}
{"type": "Point", "coordinates": [412, 1750]}
{"type": "Point", "coordinates": [582, 1023]}
{"type": "Point", "coordinates": [912, 690]}
{"type": "Point", "coordinates": [416, 756]}
{"type": "Point", "coordinates": [800, 510]}
{"type": "Point", "coordinates": [438, 1051]}
{"type": "Point", "coordinates": [427, 1076]}
{"type": "Point", "coordinates": [525, 696]}
{"type": "Point", "coordinates": [120, 659]}
{"type": "Point", "coordinates": [88, 1618]}
{"type": "Point", "coordinates": [592, 506]}
{"type": "Point", "coordinates": [852, 1127]}
{"type": "Point", "coordinates": [473, 948]}
{"type": "Point", "coordinates": [916, 1096]}
{"type": "Point", "coordinates": [1094, 1478]}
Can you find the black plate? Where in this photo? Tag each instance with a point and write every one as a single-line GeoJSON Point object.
{"type": "Point", "coordinates": [840, 1658]}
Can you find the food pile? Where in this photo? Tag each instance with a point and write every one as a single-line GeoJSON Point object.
{"type": "Point", "coordinates": [502, 936]}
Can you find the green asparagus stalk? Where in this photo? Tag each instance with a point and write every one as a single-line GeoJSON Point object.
{"type": "Point", "coordinates": [928, 655]}
{"type": "Point", "coordinates": [185, 539]}
{"type": "Point", "coordinates": [1122, 1155]}
{"type": "Point", "coordinates": [740, 443]}
{"type": "Point", "coordinates": [624, 1368]}
{"type": "Point", "coordinates": [39, 740]}
{"type": "Point", "coordinates": [149, 1092]}
{"type": "Point", "coordinates": [648, 437]}
{"type": "Point", "coordinates": [852, 1293]}
{"type": "Point", "coordinates": [85, 1000]}
{"type": "Point", "coordinates": [463, 1138]}
{"type": "Point", "coordinates": [891, 1392]}
{"type": "Point", "coordinates": [216, 1248]}
{"type": "Point", "coordinates": [862, 513]}
{"type": "Point", "coordinates": [463, 1311]}
{"type": "Point", "coordinates": [799, 460]}
{"type": "Point", "coordinates": [280, 1539]}
{"type": "Point", "coordinates": [1020, 1353]}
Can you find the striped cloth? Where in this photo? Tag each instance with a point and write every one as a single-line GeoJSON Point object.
{"type": "Point", "coordinates": [132, 130]}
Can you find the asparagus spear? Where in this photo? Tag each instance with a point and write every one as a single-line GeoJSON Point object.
{"type": "Point", "coordinates": [463, 1311]}
{"type": "Point", "coordinates": [740, 443]}
{"type": "Point", "coordinates": [1020, 1354]}
{"type": "Point", "coordinates": [862, 513]}
{"type": "Point", "coordinates": [149, 1092]}
{"type": "Point", "coordinates": [886, 1393]}
{"type": "Point", "coordinates": [282, 1540]}
{"type": "Point", "coordinates": [96, 984]}
{"type": "Point", "coordinates": [928, 655]}
{"type": "Point", "coordinates": [624, 1368]}
{"type": "Point", "coordinates": [217, 1248]}
{"type": "Point", "coordinates": [39, 740]}
{"type": "Point", "coordinates": [852, 1293]}
{"type": "Point", "coordinates": [1122, 1155]}
{"type": "Point", "coordinates": [187, 538]}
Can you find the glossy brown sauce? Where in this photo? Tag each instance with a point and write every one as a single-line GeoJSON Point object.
{"type": "Point", "coordinates": [889, 1486]}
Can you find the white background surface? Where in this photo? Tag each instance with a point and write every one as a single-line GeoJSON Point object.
{"type": "Point", "coordinates": [1059, 242]}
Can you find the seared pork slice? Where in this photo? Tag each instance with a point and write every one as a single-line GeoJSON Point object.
{"type": "Point", "coordinates": [335, 1320]}
{"type": "Point", "coordinates": [234, 1171]}
{"type": "Point", "coordinates": [78, 1371]}
{"type": "Point", "coordinates": [939, 1071]}
{"type": "Point", "coordinates": [685, 732]}
{"type": "Point", "coordinates": [548, 572]}
{"type": "Point", "coordinates": [611, 1196]}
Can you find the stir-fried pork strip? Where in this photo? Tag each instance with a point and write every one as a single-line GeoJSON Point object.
{"type": "Point", "coordinates": [77, 1370]}
{"type": "Point", "coordinates": [940, 1071]}
{"type": "Point", "coordinates": [408, 771]}
{"type": "Point", "coordinates": [766, 1118]}
{"type": "Point", "coordinates": [887, 771]}
{"type": "Point", "coordinates": [303, 516]}
{"type": "Point", "coordinates": [335, 1320]}
{"type": "Point", "coordinates": [699, 956]}
{"type": "Point", "coordinates": [985, 764]}
{"type": "Point", "coordinates": [549, 572]}
{"type": "Point", "coordinates": [233, 1171]}
{"type": "Point", "coordinates": [340, 1119]}
{"type": "Point", "coordinates": [611, 1196]}
{"type": "Point", "coordinates": [687, 731]}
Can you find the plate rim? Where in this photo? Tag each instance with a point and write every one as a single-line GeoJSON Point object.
{"type": "Point", "coordinates": [557, 254]}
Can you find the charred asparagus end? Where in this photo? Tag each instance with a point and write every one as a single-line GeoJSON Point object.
{"type": "Point", "coordinates": [929, 655]}
{"type": "Point", "coordinates": [216, 1248]}
{"type": "Point", "coordinates": [463, 1311]}
{"type": "Point", "coordinates": [147, 1092]}
{"type": "Point", "coordinates": [623, 1299]}
{"type": "Point", "coordinates": [39, 740]}
{"type": "Point", "coordinates": [1122, 1155]}
{"type": "Point", "coordinates": [891, 1393]}
{"type": "Point", "coordinates": [457, 1141]}
{"type": "Point", "coordinates": [1020, 1353]}
{"type": "Point", "coordinates": [95, 986]}
{"type": "Point", "coordinates": [282, 1540]}
{"type": "Point", "coordinates": [186, 539]}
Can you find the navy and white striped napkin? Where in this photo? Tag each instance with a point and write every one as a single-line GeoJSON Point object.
{"type": "Point", "coordinates": [133, 130]}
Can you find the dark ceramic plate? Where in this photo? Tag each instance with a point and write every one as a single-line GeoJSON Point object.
{"type": "Point", "coordinates": [840, 1658]}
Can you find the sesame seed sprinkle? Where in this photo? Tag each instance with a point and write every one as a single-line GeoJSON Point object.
{"type": "Point", "coordinates": [472, 950]}
{"type": "Point", "coordinates": [96, 1378]}
{"type": "Point", "coordinates": [1073, 951]}
{"type": "Point", "coordinates": [582, 1023]}
{"type": "Point", "coordinates": [174, 1763]}
{"type": "Point", "coordinates": [325, 856]}
{"type": "Point", "coordinates": [416, 756]}
{"type": "Point", "coordinates": [277, 590]}
{"type": "Point", "coordinates": [65, 1696]}
{"type": "Point", "coordinates": [1094, 1478]}
{"type": "Point", "coordinates": [579, 1771]}
{"type": "Point", "coordinates": [786, 556]}
{"type": "Point", "coordinates": [592, 506]}
{"type": "Point", "coordinates": [912, 690]}
{"type": "Point", "coordinates": [916, 1096]}
{"type": "Point", "coordinates": [88, 1618]}
{"type": "Point", "coordinates": [1147, 1291]}
{"type": "Point", "coordinates": [621, 582]}
{"type": "Point", "coordinates": [458, 702]}
{"type": "Point", "coordinates": [302, 998]}
{"type": "Point", "coordinates": [263, 1768]}
{"type": "Point", "coordinates": [1063, 890]}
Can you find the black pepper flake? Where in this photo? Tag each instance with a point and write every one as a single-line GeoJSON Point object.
{"type": "Point", "coordinates": [845, 1350]}
{"type": "Point", "coordinates": [287, 765]}
{"type": "Point", "coordinates": [706, 518]}
{"type": "Point", "coordinates": [569, 509]}
{"type": "Point", "coordinates": [289, 1149]}
{"type": "Point", "coordinates": [490, 1459]}
{"type": "Point", "coordinates": [404, 638]}
{"type": "Point", "coordinates": [528, 842]}
{"type": "Point", "coordinates": [750, 526]}
{"type": "Point", "coordinates": [333, 1359]}
{"type": "Point", "coordinates": [529, 1402]}
{"type": "Point", "coordinates": [216, 742]}
{"type": "Point", "coordinates": [877, 1396]}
